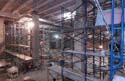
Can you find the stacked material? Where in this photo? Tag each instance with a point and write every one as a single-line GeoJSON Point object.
{"type": "Point", "coordinates": [12, 72]}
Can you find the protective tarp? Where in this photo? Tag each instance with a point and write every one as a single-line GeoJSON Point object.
{"type": "Point", "coordinates": [107, 16]}
{"type": "Point", "coordinates": [118, 78]}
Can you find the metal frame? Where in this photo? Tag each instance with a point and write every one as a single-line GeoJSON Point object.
{"type": "Point", "coordinates": [113, 67]}
{"type": "Point", "coordinates": [68, 33]}
{"type": "Point", "coordinates": [18, 41]}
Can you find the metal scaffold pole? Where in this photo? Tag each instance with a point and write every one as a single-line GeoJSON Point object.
{"type": "Point", "coordinates": [113, 55]}
{"type": "Point", "coordinates": [62, 42]}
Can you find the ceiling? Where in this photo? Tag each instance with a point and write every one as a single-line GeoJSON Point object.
{"type": "Point", "coordinates": [47, 9]}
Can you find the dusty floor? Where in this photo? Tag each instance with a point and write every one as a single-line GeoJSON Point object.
{"type": "Point", "coordinates": [35, 75]}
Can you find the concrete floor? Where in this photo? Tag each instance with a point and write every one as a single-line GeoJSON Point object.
{"type": "Point", "coordinates": [35, 75]}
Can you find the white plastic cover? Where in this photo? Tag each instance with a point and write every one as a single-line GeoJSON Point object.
{"type": "Point", "coordinates": [108, 17]}
{"type": "Point", "coordinates": [118, 78]}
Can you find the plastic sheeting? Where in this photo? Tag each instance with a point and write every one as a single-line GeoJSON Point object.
{"type": "Point", "coordinates": [118, 78]}
{"type": "Point", "coordinates": [107, 17]}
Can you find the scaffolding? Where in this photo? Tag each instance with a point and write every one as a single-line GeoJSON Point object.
{"type": "Point", "coordinates": [95, 62]}
{"type": "Point", "coordinates": [92, 62]}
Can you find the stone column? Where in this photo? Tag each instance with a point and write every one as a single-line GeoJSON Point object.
{"type": "Point", "coordinates": [2, 35]}
{"type": "Point", "coordinates": [35, 40]}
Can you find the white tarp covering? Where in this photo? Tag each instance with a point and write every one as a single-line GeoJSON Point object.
{"type": "Point", "coordinates": [107, 16]}
{"type": "Point", "coordinates": [118, 78]}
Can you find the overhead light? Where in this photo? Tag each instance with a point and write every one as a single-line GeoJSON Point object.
{"type": "Point", "coordinates": [24, 19]}
{"type": "Point", "coordinates": [100, 46]}
{"type": "Point", "coordinates": [44, 20]}
{"type": "Point", "coordinates": [90, 36]}
{"type": "Point", "coordinates": [29, 25]}
{"type": "Point", "coordinates": [69, 15]}
{"type": "Point", "coordinates": [56, 36]}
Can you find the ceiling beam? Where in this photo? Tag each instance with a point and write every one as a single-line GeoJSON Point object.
{"type": "Point", "coordinates": [22, 6]}
{"type": "Point", "coordinates": [58, 5]}
{"type": "Point", "coordinates": [8, 15]}
{"type": "Point", "coordinates": [59, 11]}
{"type": "Point", "coordinates": [32, 9]}
{"type": "Point", "coordinates": [7, 5]}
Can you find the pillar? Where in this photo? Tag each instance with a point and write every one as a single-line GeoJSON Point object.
{"type": "Point", "coordinates": [2, 35]}
{"type": "Point", "coordinates": [35, 40]}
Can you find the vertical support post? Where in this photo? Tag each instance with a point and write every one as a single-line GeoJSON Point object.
{"type": "Point", "coordinates": [2, 35]}
{"type": "Point", "coordinates": [35, 39]}
{"type": "Point", "coordinates": [73, 41]}
{"type": "Point", "coordinates": [112, 43]}
{"type": "Point", "coordinates": [122, 32]}
{"type": "Point", "coordinates": [12, 35]}
{"type": "Point", "coordinates": [80, 11]}
{"type": "Point", "coordinates": [93, 43]}
{"type": "Point", "coordinates": [113, 67]}
{"type": "Point", "coordinates": [84, 64]}
{"type": "Point", "coordinates": [100, 58]}
{"type": "Point", "coordinates": [62, 42]}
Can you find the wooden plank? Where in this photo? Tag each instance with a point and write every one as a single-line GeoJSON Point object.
{"type": "Point", "coordinates": [57, 69]}
{"type": "Point", "coordinates": [20, 45]}
{"type": "Point", "coordinates": [70, 74]}
{"type": "Point", "coordinates": [21, 56]}
{"type": "Point", "coordinates": [98, 54]}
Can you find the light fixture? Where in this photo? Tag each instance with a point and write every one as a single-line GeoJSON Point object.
{"type": "Point", "coordinates": [90, 36]}
{"type": "Point", "coordinates": [29, 25]}
{"type": "Point", "coordinates": [56, 36]}
{"type": "Point", "coordinates": [100, 46]}
{"type": "Point", "coordinates": [24, 19]}
{"type": "Point", "coordinates": [26, 22]}
{"type": "Point", "coordinates": [68, 15]}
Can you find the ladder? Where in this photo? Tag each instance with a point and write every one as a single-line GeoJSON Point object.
{"type": "Point", "coordinates": [113, 56]}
